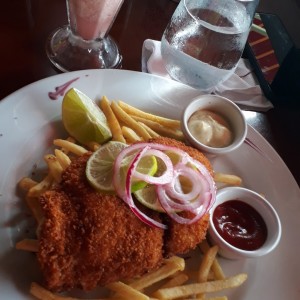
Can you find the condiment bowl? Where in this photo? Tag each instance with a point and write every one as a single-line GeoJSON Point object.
{"type": "Point", "coordinates": [224, 108]}
{"type": "Point", "coordinates": [260, 205]}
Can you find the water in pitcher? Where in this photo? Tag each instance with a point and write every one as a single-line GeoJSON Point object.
{"type": "Point", "coordinates": [201, 46]}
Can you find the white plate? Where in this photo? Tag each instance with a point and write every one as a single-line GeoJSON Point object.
{"type": "Point", "coordinates": [29, 121]}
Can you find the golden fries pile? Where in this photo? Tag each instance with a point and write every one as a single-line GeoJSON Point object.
{"type": "Point", "coordinates": [170, 281]}
{"type": "Point", "coordinates": [129, 124]}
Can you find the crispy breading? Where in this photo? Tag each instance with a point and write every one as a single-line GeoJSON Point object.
{"type": "Point", "coordinates": [180, 238]}
{"type": "Point", "coordinates": [89, 239]}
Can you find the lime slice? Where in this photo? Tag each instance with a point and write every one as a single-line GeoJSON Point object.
{"type": "Point", "coordinates": [147, 196]}
{"type": "Point", "coordinates": [99, 168]}
{"type": "Point", "coordinates": [83, 119]}
{"type": "Point", "coordinates": [174, 156]}
{"type": "Point", "coordinates": [147, 165]}
{"type": "Point", "coordinates": [161, 167]}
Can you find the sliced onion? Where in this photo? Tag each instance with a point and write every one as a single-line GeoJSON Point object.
{"type": "Point", "coordinates": [191, 175]}
{"type": "Point", "coordinates": [188, 206]}
{"type": "Point", "coordinates": [199, 212]}
{"type": "Point", "coordinates": [172, 198]}
{"type": "Point", "coordinates": [126, 195]}
{"type": "Point", "coordinates": [212, 187]}
{"type": "Point", "coordinates": [166, 177]}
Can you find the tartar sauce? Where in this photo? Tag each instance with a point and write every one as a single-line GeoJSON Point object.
{"type": "Point", "coordinates": [210, 129]}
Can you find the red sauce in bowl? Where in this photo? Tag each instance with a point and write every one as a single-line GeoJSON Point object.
{"type": "Point", "coordinates": [240, 225]}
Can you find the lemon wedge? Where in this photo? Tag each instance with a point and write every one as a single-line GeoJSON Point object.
{"type": "Point", "coordinates": [83, 119]}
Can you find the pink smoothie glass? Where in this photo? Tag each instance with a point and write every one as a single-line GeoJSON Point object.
{"type": "Point", "coordinates": [84, 43]}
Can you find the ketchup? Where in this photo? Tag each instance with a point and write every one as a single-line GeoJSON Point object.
{"type": "Point", "coordinates": [240, 225]}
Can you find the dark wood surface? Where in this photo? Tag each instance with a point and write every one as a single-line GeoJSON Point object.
{"type": "Point", "coordinates": [25, 25]}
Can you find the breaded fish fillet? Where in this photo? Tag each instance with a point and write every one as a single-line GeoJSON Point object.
{"type": "Point", "coordinates": [89, 239]}
{"type": "Point", "coordinates": [180, 238]}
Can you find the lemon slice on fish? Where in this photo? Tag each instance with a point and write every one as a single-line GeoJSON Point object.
{"type": "Point", "coordinates": [83, 119]}
{"type": "Point", "coordinates": [100, 167]}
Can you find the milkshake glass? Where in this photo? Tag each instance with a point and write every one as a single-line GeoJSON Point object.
{"type": "Point", "coordinates": [84, 43]}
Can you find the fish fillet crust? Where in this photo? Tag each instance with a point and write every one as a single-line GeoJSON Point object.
{"type": "Point", "coordinates": [88, 238]}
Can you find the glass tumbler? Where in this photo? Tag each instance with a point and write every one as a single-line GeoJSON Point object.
{"type": "Point", "coordinates": [204, 40]}
{"type": "Point", "coordinates": [84, 43]}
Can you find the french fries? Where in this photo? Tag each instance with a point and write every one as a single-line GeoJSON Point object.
{"type": "Point", "coordinates": [62, 158]}
{"type": "Point", "coordinates": [177, 280]}
{"type": "Point", "coordinates": [160, 120]}
{"type": "Point", "coordinates": [170, 267]}
{"type": "Point", "coordinates": [199, 288]}
{"type": "Point", "coordinates": [26, 183]}
{"type": "Point", "coordinates": [130, 135]}
{"type": "Point", "coordinates": [70, 147]}
{"type": "Point", "coordinates": [126, 291]}
{"type": "Point", "coordinates": [54, 167]}
{"type": "Point", "coordinates": [160, 129]}
{"type": "Point", "coordinates": [205, 266]}
{"type": "Point", "coordinates": [228, 179]}
{"type": "Point", "coordinates": [149, 130]}
{"type": "Point", "coordinates": [28, 245]}
{"type": "Point", "coordinates": [215, 267]}
{"type": "Point", "coordinates": [93, 146]}
{"type": "Point", "coordinates": [128, 120]}
{"type": "Point", "coordinates": [112, 121]}
{"type": "Point", "coordinates": [129, 124]}
{"type": "Point", "coordinates": [41, 187]}
{"type": "Point", "coordinates": [206, 263]}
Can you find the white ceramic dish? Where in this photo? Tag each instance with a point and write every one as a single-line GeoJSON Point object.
{"type": "Point", "coordinates": [223, 107]}
{"type": "Point", "coordinates": [263, 207]}
{"type": "Point", "coordinates": [29, 121]}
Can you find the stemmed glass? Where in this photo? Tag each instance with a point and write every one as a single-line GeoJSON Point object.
{"type": "Point", "coordinates": [84, 43]}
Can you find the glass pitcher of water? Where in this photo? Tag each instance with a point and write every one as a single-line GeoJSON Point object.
{"type": "Point", "coordinates": [204, 40]}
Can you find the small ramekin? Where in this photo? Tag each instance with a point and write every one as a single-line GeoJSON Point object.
{"type": "Point", "coordinates": [224, 107]}
{"type": "Point", "coordinates": [263, 207]}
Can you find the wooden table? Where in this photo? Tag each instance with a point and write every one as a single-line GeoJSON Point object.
{"type": "Point", "coordinates": [25, 25]}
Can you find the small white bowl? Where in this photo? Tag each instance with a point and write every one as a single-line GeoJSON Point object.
{"type": "Point", "coordinates": [225, 108]}
{"type": "Point", "coordinates": [263, 207]}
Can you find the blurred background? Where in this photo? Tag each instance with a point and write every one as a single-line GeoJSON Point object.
{"type": "Point", "coordinates": [289, 13]}
{"type": "Point", "coordinates": [29, 22]}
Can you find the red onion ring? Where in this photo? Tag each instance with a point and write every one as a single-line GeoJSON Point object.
{"type": "Point", "coordinates": [171, 210]}
{"type": "Point", "coordinates": [183, 170]}
{"type": "Point", "coordinates": [198, 201]}
{"type": "Point", "coordinates": [166, 177]}
{"type": "Point", "coordinates": [126, 195]}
